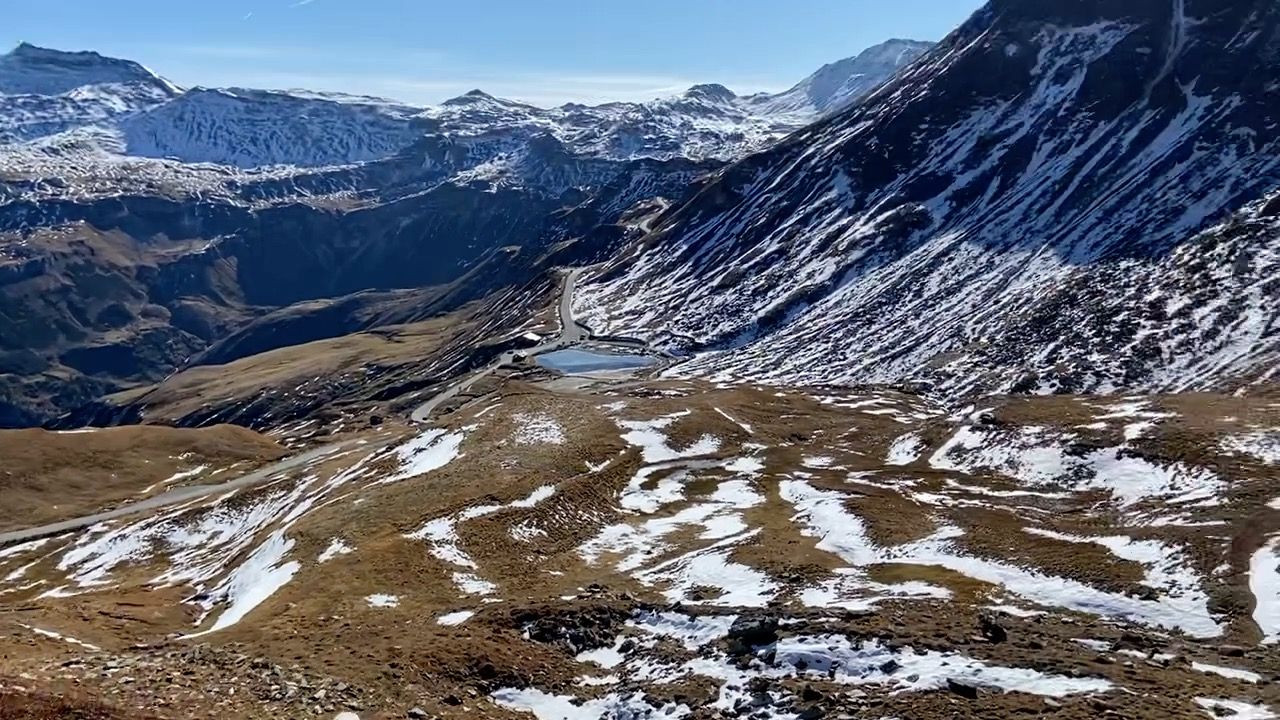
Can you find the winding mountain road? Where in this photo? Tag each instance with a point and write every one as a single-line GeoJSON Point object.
{"type": "Point", "coordinates": [571, 333]}
{"type": "Point", "coordinates": [172, 497]}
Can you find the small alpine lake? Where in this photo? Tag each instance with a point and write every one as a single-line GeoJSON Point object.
{"type": "Point", "coordinates": [578, 360]}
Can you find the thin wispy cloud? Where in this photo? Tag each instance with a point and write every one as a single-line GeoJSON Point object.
{"type": "Point", "coordinates": [544, 89]}
{"type": "Point", "coordinates": [415, 57]}
{"type": "Point", "coordinates": [416, 76]}
{"type": "Point", "coordinates": [224, 51]}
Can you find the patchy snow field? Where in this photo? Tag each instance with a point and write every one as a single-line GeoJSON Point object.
{"type": "Point", "coordinates": [889, 547]}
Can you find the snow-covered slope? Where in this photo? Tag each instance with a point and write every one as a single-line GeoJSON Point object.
{"type": "Point", "coordinates": [1029, 207]}
{"type": "Point", "coordinates": [45, 92]}
{"type": "Point", "coordinates": [31, 70]}
{"type": "Point", "coordinates": [253, 128]}
{"type": "Point", "coordinates": [55, 102]}
{"type": "Point", "coordinates": [705, 122]}
{"type": "Point", "coordinates": [839, 84]}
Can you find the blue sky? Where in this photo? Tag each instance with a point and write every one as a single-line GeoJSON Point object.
{"type": "Point", "coordinates": [423, 51]}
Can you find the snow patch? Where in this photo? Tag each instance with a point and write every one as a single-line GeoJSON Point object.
{"type": "Point", "coordinates": [905, 450]}
{"type": "Point", "coordinates": [250, 584]}
{"type": "Point", "coordinates": [455, 618]}
{"type": "Point", "coordinates": [1036, 458]}
{"type": "Point", "coordinates": [843, 534]}
{"type": "Point", "coordinates": [654, 445]}
{"type": "Point", "coordinates": [1235, 709]}
{"type": "Point", "coordinates": [336, 547]}
{"type": "Point", "coordinates": [59, 636]}
{"type": "Point", "coordinates": [1264, 582]}
{"type": "Point", "coordinates": [545, 706]}
{"type": "Point", "coordinates": [1263, 445]}
{"type": "Point", "coordinates": [1227, 672]}
{"type": "Point", "coordinates": [537, 429]}
{"type": "Point", "coordinates": [691, 631]}
{"type": "Point", "coordinates": [730, 418]}
{"type": "Point", "coordinates": [176, 477]}
{"type": "Point", "coordinates": [431, 450]}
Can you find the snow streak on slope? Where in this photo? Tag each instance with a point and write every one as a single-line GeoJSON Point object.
{"type": "Point", "coordinates": [1182, 605]}
{"type": "Point", "coordinates": [752, 680]}
{"type": "Point", "coordinates": [236, 549]}
{"type": "Point", "coordinates": [252, 128]}
{"type": "Point", "coordinates": [1023, 209]}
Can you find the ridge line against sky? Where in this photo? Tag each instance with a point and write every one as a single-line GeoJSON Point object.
{"type": "Point", "coordinates": [423, 51]}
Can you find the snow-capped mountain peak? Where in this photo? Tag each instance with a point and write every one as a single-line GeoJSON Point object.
{"type": "Point", "coordinates": [478, 97]}
{"type": "Point", "coordinates": [32, 70]}
{"type": "Point", "coordinates": [45, 93]}
{"type": "Point", "coordinates": [840, 83]}
{"type": "Point", "coordinates": [711, 91]}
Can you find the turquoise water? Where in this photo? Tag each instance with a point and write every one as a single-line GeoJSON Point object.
{"type": "Point", "coordinates": [574, 360]}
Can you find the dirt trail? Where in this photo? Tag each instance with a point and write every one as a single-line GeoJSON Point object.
{"type": "Point", "coordinates": [173, 497]}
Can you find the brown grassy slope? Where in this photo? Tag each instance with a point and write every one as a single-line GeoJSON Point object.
{"type": "Point", "coordinates": [49, 476]}
{"type": "Point", "coordinates": [340, 376]}
{"type": "Point", "coordinates": [18, 704]}
{"type": "Point", "coordinates": [79, 320]}
{"type": "Point", "coordinates": [285, 369]}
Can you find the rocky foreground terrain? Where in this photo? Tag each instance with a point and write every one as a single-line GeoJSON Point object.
{"type": "Point", "coordinates": [629, 547]}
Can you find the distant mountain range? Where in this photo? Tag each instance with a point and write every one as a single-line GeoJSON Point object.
{"type": "Point", "coordinates": [63, 102]}
{"type": "Point", "coordinates": [144, 227]}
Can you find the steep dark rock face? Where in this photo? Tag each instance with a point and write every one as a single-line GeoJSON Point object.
{"type": "Point", "coordinates": [1049, 165]}
{"type": "Point", "coordinates": [271, 378]}
{"type": "Point", "coordinates": [82, 318]}
{"type": "Point", "coordinates": [107, 310]}
{"type": "Point", "coordinates": [1059, 197]}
